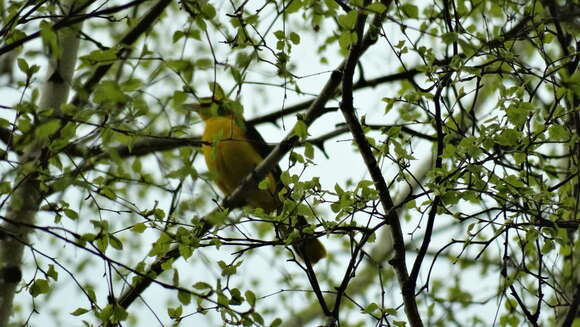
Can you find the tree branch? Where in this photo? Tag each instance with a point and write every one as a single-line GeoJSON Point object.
{"type": "Point", "coordinates": [398, 262]}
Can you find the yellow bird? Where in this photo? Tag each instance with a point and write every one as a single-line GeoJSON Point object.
{"type": "Point", "coordinates": [232, 150]}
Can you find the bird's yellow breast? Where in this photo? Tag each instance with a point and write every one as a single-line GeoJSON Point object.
{"type": "Point", "coordinates": [230, 157]}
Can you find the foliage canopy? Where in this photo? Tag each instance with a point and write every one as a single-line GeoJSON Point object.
{"type": "Point", "coordinates": [432, 146]}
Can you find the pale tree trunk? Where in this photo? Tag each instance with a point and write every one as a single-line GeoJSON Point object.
{"type": "Point", "coordinates": [26, 197]}
{"type": "Point", "coordinates": [7, 64]}
{"type": "Point", "coordinates": [8, 59]}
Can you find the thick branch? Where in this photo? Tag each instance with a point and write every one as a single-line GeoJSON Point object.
{"type": "Point", "coordinates": [144, 146]}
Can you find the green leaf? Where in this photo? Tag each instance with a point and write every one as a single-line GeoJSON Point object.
{"type": "Point", "coordinates": [228, 270]}
{"type": "Point", "coordinates": [346, 39]}
{"type": "Point", "coordinates": [514, 181]}
{"type": "Point", "coordinates": [159, 213]}
{"type": "Point", "coordinates": [565, 249]}
{"type": "Point", "coordinates": [308, 150]}
{"type": "Point", "coordinates": [175, 279]}
{"type": "Point", "coordinates": [508, 137]}
{"type": "Point", "coordinates": [301, 129]}
{"type": "Point", "coordinates": [202, 286]}
{"type": "Point", "coordinates": [109, 92]}
{"type": "Point", "coordinates": [23, 65]}
{"type": "Point", "coordinates": [449, 37]}
{"type": "Point", "coordinates": [103, 243]}
{"type": "Point", "coordinates": [5, 187]}
{"type": "Point", "coordinates": [169, 263]}
{"type": "Point", "coordinates": [390, 311]}
{"type": "Point", "coordinates": [294, 6]}
{"type": "Point", "coordinates": [40, 286]}
{"type": "Point", "coordinates": [179, 97]}
{"type": "Point", "coordinates": [184, 297]}
{"type": "Point", "coordinates": [79, 311]}
{"type": "Point", "coordinates": [518, 114]}
{"type": "Point", "coordinates": [139, 228]}
{"type": "Point", "coordinates": [223, 300]}
{"type": "Point", "coordinates": [237, 75]}
{"type": "Point", "coordinates": [236, 298]}
{"type": "Point", "coordinates": [71, 214]}
{"type": "Point", "coordinates": [208, 11]}
{"type": "Point", "coordinates": [295, 38]}
{"type": "Point", "coordinates": [132, 84]}
{"type": "Point", "coordinates": [548, 246]}
{"type": "Point", "coordinates": [119, 313]}
{"type": "Point", "coordinates": [179, 65]}
{"type": "Point", "coordinates": [217, 90]}
{"type": "Point", "coordinates": [558, 133]}
{"type": "Point", "coordinates": [204, 63]}
{"type": "Point", "coordinates": [91, 293]}
{"type": "Point", "coordinates": [257, 318]}
{"type": "Point", "coordinates": [52, 273]}
{"type": "Point", "coordinates": [47, 129]}
{"type": "Point", "coordinates": [105, 313]}
{"type": "Point", "coordinates": [279, 34]}
{"type": "Point", "coordinates": [177, 35]}
{"type": "Point", "coordinates": [377, 7]}
{"type": "Point", "coordinates": [68, 132]}
{"type": "Point", "coordinates": [115, 242]}
{"type": "Point", "coordinates": [108, 192]}
{"type": "Point", "coordinates": [175, 313]}
{"type": "Point", "coordinates": [296, 157]}
{"type": "Point", "coordinates": [250, 297]}
{"type": "Point", "coordinates": [410, 10]}
{"type": "Point", "coordinates": [101, 57]}
{"type": "Point", "coordinates": [185, 251]}
{"type": "Point", "coordinates": [348, 21]}
{"type": "Point", "coordinates": [264, 184]}
{"type": "Point", "coordinates": [217, 217]}
{"type": "Point", "coordinates": [4, 123]}
{"type": "Point", "coordinates": [371, 308]}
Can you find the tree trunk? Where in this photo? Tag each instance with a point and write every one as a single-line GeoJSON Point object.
{"type": "Point", "coordinates": [27, 196]}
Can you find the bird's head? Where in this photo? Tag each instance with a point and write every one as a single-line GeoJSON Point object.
{"type": "Point", "coordinates": [208, 107]}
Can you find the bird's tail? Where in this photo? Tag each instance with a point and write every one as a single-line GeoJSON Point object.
{"type": "Point", "coordinates": [312, 250]}
{"type": "Point", "coordinates": [309, 249]}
